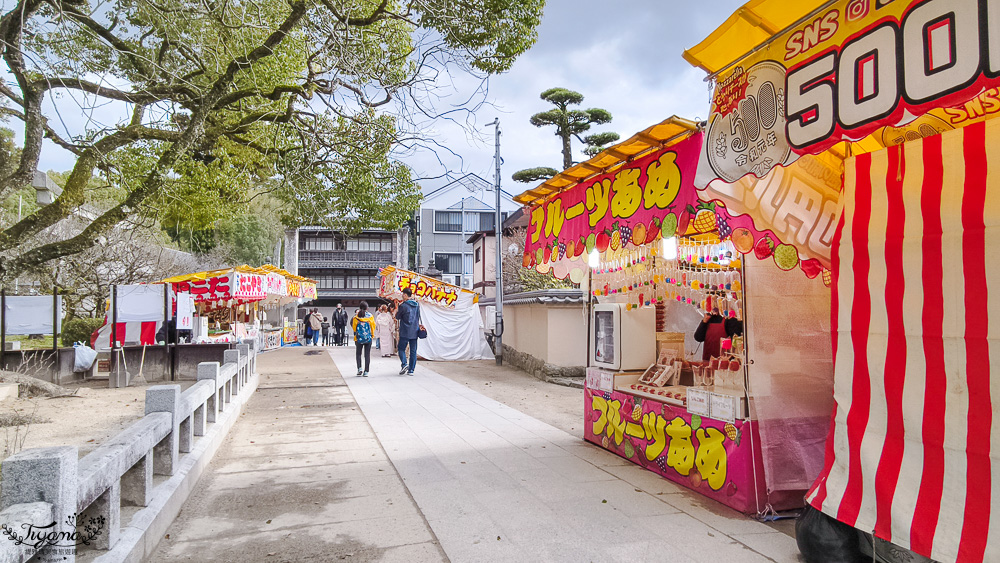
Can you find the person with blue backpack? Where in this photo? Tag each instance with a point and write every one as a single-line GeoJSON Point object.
{"type": "Point", "coordinates": [363, 325]}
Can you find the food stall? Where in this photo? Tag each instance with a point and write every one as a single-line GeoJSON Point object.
{"type": "Point", "coordinates": [656, 259]}
{"type": "Point", "coordinates": [876, 119]}
{"type": "Point", "coordinates": [450, 314]}
{"type": "Point", "coordinates": [241, 303]}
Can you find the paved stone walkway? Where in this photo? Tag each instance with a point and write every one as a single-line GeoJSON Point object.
{"type": "Point", "coordinates": [300, 478]}
{"type": "Point", "coordinates": [496, 484]}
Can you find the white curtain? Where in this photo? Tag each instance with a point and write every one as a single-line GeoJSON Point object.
{"type": "Point", "coordinates": [453, 334]}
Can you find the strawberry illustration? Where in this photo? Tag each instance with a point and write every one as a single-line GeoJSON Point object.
{"type": "Point", "coordinates": [764, 247]}
{"type": "Point", "coordinates": [653, 232]}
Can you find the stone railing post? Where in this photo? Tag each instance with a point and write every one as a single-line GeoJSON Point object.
{"type": "Point", "coordinates": [210, 371]}
{"type": "Point", "coordinates": [233, 357]}
{"type": "Point", "coordinates": [47, 475]}
{"type": "Point", "coordinates": [246, 352]}
{"type": "Point", "coordinates": [165, 398]}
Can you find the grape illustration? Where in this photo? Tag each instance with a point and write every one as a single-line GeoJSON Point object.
{"type": "Point", "coordinates": [724, 229]}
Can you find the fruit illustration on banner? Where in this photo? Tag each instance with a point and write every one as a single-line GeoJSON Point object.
{"type": "Point", "coordinates": [555, 252]}
{"type": "Point", "coordinates": [546, 254]}
{"type": "Point", "coordinates": [742, 239]}
{"type": "Point", "coordinates": [669, 226]}
{"type": "Point", "coordinates": [616, 238]}
{"type": "Point", "coordinates": [811, 268]}
{"type": "Point", "coordinates": [704, 217]}
{"type": "Point", "coordinates": [539, 256]}
{"type": "Point", "coordinates": [653, 232]}
{"type": "Point", "coordinates": [695, 422]}
{"type": "Point", "coordinates": [724, 229]}
{"type": "Point", "coordinates": [562, 249]}
{"type": "Point", "coordinates": [603, 241]}
{"type": "Point", "coordinates": [628, 449]}
{"type": "Point", "coordinates": [637, 412]}
{"type": "Point", "coordinates": [591, 242]}
{"type": "Point", "coordinates": [764, 247]}
{"type": "Point", "coordinates": [786, 256]}
{"type": "Point", "coordinates": [730, 430]}
{"type": "Point", "coordinates": [526, 262]}
{"type": "Point", "coordinates": [626, 234]}
{"type": "Point", "coordinates": [639, 234]}
{"type": "Point", "coordinates": [827, 277]}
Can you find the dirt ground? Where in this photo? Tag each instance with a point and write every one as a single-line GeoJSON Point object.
{"type": "Point", "coordinates": [557, 405]}
{"type": "Point", "coordinates": [84, 420]}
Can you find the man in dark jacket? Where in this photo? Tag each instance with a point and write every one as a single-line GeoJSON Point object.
{"type": "Point", "coordinates": [409, 323]}
{"type": "Point", "coordinates": [712, 330]}
{"type": "Point", "coordinates": [339, 325]}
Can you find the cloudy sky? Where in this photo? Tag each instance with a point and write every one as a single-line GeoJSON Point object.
{"type": "Point", "coordinates": [624, 57]}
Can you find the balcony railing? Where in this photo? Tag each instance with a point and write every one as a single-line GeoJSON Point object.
{"type": "Point", "coordinates": [364, 256]}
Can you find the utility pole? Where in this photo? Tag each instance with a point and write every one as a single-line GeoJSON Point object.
{"type": "Point", "coordinates": [498, 237]}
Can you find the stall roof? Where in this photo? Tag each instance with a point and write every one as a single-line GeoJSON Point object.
{"type": "Point", "coordinates": [244, 268]}
{"type": "Point", "coordinates": [668, 132]}
{"type": "Point", "coordinates": [748, 28]}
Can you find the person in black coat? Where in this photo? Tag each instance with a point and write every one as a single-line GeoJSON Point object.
{"type": "Point", "coordinates": [339, 325]}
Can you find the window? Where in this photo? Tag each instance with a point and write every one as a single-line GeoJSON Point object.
{"type": "Point", "coordinates": [372, 243]}
{"type": "Point", "coordinates": [448, 263]}
{"type": "Point", "coordinates": [317, 243]}
{"type": "Point", "coordinates": [362, 282]}
{"type": "Point", "coordinates": [486, 221]}
{"type": "Point", "coordinates": [448, 221]}
{"type": "Point", "coordinates": [467, 263]}
{"type": "Point", "coordinates": [479, 255]}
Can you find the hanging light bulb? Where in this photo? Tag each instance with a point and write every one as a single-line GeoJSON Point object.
{"type": "Point", "coordinates": [670, 248]}
{"type": "Point", "coordinates": [595, 258]}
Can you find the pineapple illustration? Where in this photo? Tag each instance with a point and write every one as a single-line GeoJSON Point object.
{"type": "Point", "coordinates": [730, 430]}
{"type": "Point", "coordinates": [704, 217]}
{"type": "Point", "coordinates": [637, 412]}
{"type": "Point", "coordinates": [616, 239]}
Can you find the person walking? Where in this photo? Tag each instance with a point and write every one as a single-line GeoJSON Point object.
{"type": "Point", "coordinates": [384, 323]}
{"type": "Point", "coordinates": [395, 327]}
{"type": "Point", "coordinates": [409, 323]}
{"type": "Point", "coordinates": [316, 324]}
{"type": "Point", "coordinates": [339, 325]}
{"type": "Point", "coordinates": [326, 331]}
{"type": "Point", "coordinates": [363, 325]}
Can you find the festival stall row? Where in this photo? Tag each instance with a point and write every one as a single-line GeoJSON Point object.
{"type": "Point", "coordinates": [450, 314]}
{"type": "Point", "coordinates": [217, 306]}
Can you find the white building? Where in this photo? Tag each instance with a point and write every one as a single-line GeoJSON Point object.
{"type": "Point", "coordinates": [448, 216]}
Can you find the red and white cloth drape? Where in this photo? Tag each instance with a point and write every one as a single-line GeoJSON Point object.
{"type": "Point", "coordinates": [912, 450]}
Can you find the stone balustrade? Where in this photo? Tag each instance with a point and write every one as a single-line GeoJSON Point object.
{"type": "Point", "coordinates": [57, 506]}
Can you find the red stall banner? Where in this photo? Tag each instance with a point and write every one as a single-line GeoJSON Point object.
{"type": "Point", "coordinates": [647, 199]}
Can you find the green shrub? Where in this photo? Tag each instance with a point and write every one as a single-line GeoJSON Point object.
{"type": "Point", "coordinates": [79, 330]}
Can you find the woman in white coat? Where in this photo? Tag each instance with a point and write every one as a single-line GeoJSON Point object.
{"type": "Point", "coordinates": [384, 324]}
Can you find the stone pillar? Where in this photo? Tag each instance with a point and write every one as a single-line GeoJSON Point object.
{"type": "Point", "coordinates": [185, 435]}
{"type": "Point", "coordinates": [165, 398]}
{"type": "Point", "coordinates": [46, 475]}
{"type": "Point", "coordinates": [210, 372]}
{"type": "Point", "coordinates": [246, 353]}
{"type": "Point", "coordinates": [233, 357]}
{"type": "Point", "coordinates": [198, 425]}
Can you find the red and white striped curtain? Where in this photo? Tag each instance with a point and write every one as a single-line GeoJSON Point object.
{"type": "Point", "coordinates": [911, 454]}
